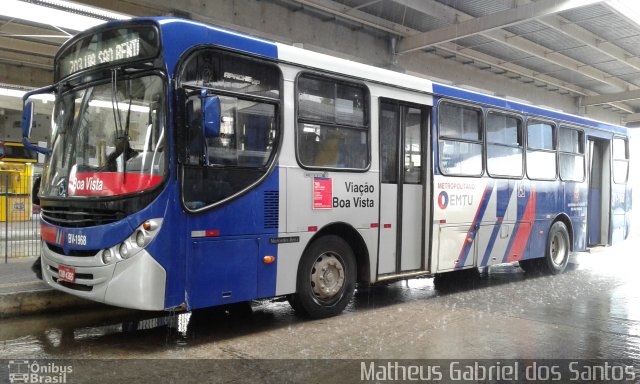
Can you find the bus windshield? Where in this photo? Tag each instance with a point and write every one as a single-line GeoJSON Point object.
{"type": "Point", "coordinates": [108, 139]}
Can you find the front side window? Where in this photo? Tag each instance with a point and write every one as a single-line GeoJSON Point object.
{"type": "Point", "coordinates": [571, 154]}
{"type": "Point", "coordinates": [541, 151]}
{"type": "Point", "coordinates": [460, 139]}
{"type": "Point", "coordinates": [220, 166]}
{"type": "Point", "coordinates": [620, 161]}
{"type": "Point", "coordinates": [504, 145]}
{"type": "Point", "coordinates": [108, 139]}
{"type": "Point", "coordinates": [333, 129]}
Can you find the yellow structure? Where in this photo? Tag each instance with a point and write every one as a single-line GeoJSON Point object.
{"type": "Point", "coordinates": [16, 174]}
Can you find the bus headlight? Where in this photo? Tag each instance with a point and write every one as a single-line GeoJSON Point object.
{"type": "Point", "coordinates": [125, 250]}
{"type": "Point", "coordinates": [107, 256]}
{"type": "Point", "coordinates": [141, 237]}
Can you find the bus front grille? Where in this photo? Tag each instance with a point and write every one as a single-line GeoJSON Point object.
{"type": "Point", "coordinates": [66, 217]}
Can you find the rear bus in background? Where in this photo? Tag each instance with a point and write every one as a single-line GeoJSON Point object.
{"type": "Point", "coordinates": [192, 166]}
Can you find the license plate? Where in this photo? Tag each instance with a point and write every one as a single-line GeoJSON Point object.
{"type": "Point", "coordinates": [67, 274]}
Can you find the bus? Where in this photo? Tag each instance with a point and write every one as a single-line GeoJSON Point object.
{"type": "Point", "coordinates": [192, 166]}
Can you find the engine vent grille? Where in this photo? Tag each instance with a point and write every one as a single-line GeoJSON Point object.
{"type": "Point", "coordinates": [271, 208]}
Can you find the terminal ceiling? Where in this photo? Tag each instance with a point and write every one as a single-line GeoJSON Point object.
{"type": "Point", "coordinates": [585, 49]}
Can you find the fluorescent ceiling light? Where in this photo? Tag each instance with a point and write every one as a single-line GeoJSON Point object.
{"type": "Point", "coordinates": [123, 107]}
{"type": "Point", "coordinates": [59, 18]}
{"type": "Point", "coordinates": [8, 92]}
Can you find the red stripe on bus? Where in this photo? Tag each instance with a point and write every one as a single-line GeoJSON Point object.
{"type": "Point", "coordinates": [49, 234]}
{"type": "Point", "coordinates": [522, 235]}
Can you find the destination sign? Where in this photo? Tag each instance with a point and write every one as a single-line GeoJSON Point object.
{"type": "Point", "coordinates": [113, 51]}
{"type": "Point", "coordinates": [108, 47]}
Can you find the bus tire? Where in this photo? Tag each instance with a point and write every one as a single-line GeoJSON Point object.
{"type": "Point", "coordinates": [326, 278]}
{"type": "Point", "coordinates": [558, 249]}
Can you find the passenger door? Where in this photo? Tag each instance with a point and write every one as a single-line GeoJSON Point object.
{"type": "Point", "coordinates": [403, 187]}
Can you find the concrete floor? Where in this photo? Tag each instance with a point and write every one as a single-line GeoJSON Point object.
{"type": "Point", "coordinates": [590, 312]}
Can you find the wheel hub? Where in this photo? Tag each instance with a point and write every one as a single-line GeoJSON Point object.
{"type": "Point", "coordinates": [327, 277]}
{"type": "Point", "coordinates": [558, 249]}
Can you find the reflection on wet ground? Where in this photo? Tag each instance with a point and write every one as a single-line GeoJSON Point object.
{"type": "Point", "coordinates": [591, 311]}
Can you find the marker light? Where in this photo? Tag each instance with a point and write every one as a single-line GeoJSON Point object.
{"type": "Point", "coordinates": [268, 259]}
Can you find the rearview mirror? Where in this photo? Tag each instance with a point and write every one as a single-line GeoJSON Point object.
{"type": "Point", "coordinates": [210, 115]}
{"type": "Point", "coordinates": [27, 119]}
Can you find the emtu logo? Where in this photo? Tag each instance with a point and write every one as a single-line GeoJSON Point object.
{"type": "Point", "coordinates": [443, 200]}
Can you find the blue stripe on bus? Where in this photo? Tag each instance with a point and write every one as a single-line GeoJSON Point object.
{"type": "Point", "coordinates": [473, 229]}
{"type": "Point", "coordinates": [503, 197]}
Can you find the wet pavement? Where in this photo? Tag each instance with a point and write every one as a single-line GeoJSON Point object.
{"type": "Point", "coordinates": [590, 312]}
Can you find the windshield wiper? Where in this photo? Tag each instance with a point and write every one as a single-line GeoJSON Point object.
{"type": "Point", "coordinates": [122, 133]}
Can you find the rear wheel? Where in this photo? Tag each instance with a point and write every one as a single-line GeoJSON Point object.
{"type": "Point", "coordinates": [558, 249]}
{"type": "Point", "coordinates": [326, 278]}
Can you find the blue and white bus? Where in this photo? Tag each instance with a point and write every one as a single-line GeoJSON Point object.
{"type": "Point", "coordinates": [192, 166]}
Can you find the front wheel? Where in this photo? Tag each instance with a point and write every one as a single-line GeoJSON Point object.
{"type": "Point", "coordinates": [326, 278]}
{"type": "Point", "coordinates": [558, 249]}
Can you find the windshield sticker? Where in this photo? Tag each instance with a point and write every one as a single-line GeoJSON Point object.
{"type": "Point", "coordinates": [110, 183]}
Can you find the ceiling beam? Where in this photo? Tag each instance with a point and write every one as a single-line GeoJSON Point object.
{"type": "Point", "coordinates": [452, 15]}
{"type": "Point", "coordinates": [632, 118]}
{"type": "Point", "coordinates": [539, 51]}
{"type": "Point", "coordinates": [26, 59]}
{"type": "Point", "coordinates": [19, 45]}
{"type": "Point", "coordinates": [611, 97]}
{"type": "Point", "coordinates": [45, 35]}
{"type": "Point", "coordinates": [591, 39]}
{"type": "Point", "coordinates": [449, 14]}
{"type": "Point", "coordinates": [357, 15]}
{"type": "Point", "coordinates": [526, 72]}
{"type": "Point", "coordinates": [487, 23]}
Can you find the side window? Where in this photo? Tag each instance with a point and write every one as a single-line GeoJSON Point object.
{"type": "Point", "coordinates": [460, 139]}
{"type": "Point", "coordinates": [226, 162]}
{"type": "Point", "coordinates": [571, 154]}
{"type": "Point", "coordinates": [620, 161]}
{"type": "Point", "coordinates": [332, 129]}
{"type": "Point", "coordinates": [504, 145]}
{"type": "Point", "coordinates": [541, 151]}
{"type": "Point", "coordinates": [389, 133]}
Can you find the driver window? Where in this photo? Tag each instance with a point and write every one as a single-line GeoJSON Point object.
{"type": "Point", "coordinates": [239, 155]}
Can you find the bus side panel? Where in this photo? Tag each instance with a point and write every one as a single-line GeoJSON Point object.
{"type": "Point", "coordinates": [575, 206]}
{"type": "Point", "coordinates": [524, 220]}
{"type": "Point", "coordinates": [339, 197]}
{"type": "Point", "coordinates": [461, 206]}
{"type": "Point", "coordinates": [494, 236]}
{"type": "Point", "coordinates": [228, 245]}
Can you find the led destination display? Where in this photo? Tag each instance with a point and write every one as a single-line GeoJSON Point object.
{"type": "Point", "coordinates": [108, 47]}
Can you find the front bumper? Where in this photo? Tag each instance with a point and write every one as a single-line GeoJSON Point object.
{"type": "Point", "coordinates": [138, 282]}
